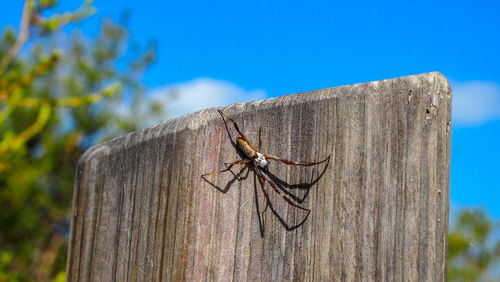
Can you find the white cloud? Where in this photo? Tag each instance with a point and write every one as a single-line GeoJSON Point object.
{"type": "Point", "coordinates": [183, 98]}
{"type": "Point", "coordinates": [475, 102]}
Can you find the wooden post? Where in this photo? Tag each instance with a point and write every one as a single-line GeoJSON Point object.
{"type": "Point", "coordinates": [379, 208]}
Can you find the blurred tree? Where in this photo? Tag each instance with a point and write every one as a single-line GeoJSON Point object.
{"type": "Point", "coordinates": [59, 96]}
{"type": "Point", "coordinates": [473, 251]}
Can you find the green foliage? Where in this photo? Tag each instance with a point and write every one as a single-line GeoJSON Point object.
{"type": "Point", "coordinates": [57, 21]}
{"type": "Point", "coordinates": [56, 100]}
{"type": "Point", "coordinates": [472, 250]}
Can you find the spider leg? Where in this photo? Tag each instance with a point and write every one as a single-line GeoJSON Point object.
{"type": "Point", "coordinates": [281, 194]}
{"type": "Point", "coordinates": [264, 177]}
{"type": "Point", "coordinates": [262, 182]}
{"type": "Point", "coordinates": [260, 137]}
{"type": "Point", "coordinates": [228, 167]}
{"type": "Point", "coordinates": [271, 157]}
{"type": "Point", "coordinates": [237, 128]}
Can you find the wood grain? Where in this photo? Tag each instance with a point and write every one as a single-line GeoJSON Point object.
{"type": "Point", "coordinates": [379, 212]}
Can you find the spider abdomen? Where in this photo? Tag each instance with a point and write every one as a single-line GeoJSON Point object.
{"type": "Point", "coordinates": [247, 149]}
{"type": "Point", "coordinates": [252, 153]}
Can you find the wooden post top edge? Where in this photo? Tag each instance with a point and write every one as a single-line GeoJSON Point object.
{"type": "Point", "coordinates": [201, 118]}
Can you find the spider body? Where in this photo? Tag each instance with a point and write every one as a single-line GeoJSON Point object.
{"type": "Point", "coordinates": [258, 158]}
{"type": "Point", "coordinates": [260, 162]}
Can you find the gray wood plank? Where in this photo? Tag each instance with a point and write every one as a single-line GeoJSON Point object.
{"type": "Point", "coordinates": [379, 208]}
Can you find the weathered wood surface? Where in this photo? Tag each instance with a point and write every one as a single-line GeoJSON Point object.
{"type": "Point", "coordinates": [379, 212]}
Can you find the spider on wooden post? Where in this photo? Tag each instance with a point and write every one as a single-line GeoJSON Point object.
{"type": "Point", "coordinates": [260, 161]}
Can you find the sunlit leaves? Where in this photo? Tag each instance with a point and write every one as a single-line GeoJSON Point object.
{"type": "Point", "coordinates": [57, 21]}
{"type": "Point", "coordinates": [63, 94]}
{"type": "Point", "coordinates": [472, 251]}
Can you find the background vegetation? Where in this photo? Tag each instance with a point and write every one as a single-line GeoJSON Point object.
{"type": "Point", "coordinates": [61, 93]}
{"type": "Point", "coordinates": [473, 247]}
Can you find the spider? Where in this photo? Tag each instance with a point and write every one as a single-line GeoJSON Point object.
{"type": "Point", "coordinates": [260, 162]}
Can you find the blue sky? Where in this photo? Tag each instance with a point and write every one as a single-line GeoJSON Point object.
{"type": "Point", "coordinates": [232, 51]}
